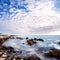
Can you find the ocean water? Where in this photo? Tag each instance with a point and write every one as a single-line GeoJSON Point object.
{"type": "Point", "coordinates": [50, 41]}
{"type": "Point", "coordinates": [41, 36]}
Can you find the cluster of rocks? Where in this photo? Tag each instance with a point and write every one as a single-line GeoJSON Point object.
{"type": "Point", "coordinates": [33, 41]}
{"type": "Point", "coordinates": [53, 53]}
{"type": "Point", "coordinates": [8, 53]}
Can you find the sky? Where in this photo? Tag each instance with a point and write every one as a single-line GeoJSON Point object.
{"type": "Point", "coordinates": [30, 17]}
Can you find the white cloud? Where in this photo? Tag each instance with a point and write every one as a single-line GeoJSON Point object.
{"type": "Point", "coordinates": [41, 19]}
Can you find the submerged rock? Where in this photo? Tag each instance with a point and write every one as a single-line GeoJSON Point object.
{"type": "Point", "coordinates": [53, 53]}
{"type": "Point", "coordinates": [31, 41]}
{"type": "Point", "coordinates": [19, 38]}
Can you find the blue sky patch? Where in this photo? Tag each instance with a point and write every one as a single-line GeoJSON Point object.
{"type": "Point", "coordinates": [6, 5]}
{"type": "Point", "coordinates": [57, 5]}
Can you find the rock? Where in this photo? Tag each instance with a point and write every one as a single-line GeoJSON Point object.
{"type": "Point", "coordinates": [53, 53]}
{"type": "Point", "coordinates": [27, 38]}
{"type": "Point", "coordinates": [35, 39]}
{"type": "Point", "coordinates": [58, 42]}
{"type": "Point", "coordinates": [9, 58]}
{"type": "Point", "coordinates": [39, 39]}
{"type": "Point", "coordinates": [17, 58]}
{"type": "Point", "coordinates": [33, 57]}
{"type": "Point", "coordinates": [2, 40]}
{"type": "Point", "coordinates": [31, 41]}
{"type": "Point", "coordinates": [1, 47]}
{"type": "Point", "coordinates": [19, 38]}
{"type": "Point", "coordinates": [8, 48]}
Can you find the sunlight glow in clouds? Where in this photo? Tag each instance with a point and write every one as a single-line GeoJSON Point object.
{"type": "Point", "coordinates": [42, 19]}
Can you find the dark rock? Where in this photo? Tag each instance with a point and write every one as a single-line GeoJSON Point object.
{"type": "Point", "coordinates": [40, 40]}
{"type": "Point", "coordinates": [2, 40]}
{"type": "Point", "coordinates": [18, 58]}
{"type": "Point", "coordinates": [27, 38]}
{"type": "Point", "coordinates": [53, 53]}
{"type": "Point", "coordinates": [9, 50]}
{"type": "Point", "coordinates": [31, 41]}
{"type": "Point", "coordinates": [33, 57]}
{"type": "Point", "coordinates": [35, 39]}
{"type": "Point", "coordinates": [58, 42]}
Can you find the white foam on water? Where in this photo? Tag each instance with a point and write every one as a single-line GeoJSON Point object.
{"type": "Point", "coordinates": [18, 45]}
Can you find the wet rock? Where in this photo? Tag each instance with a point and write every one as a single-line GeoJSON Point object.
{"type": "Point", "coordinates": [39, 39]}
{"type": "Point", "coordinates": [31, 41]}
{"type": "Point", "coordinates": [8, 48]}
{"type": "Point", "coordinates": [27, 38]}
{"type": "Point", "coordinates": [17, 58]}
{"type": "Point", "coordinates": [35, 38]}
{"type": "Point", "coordinates": [53, 53]}
{"type": "Point", "coordinates": [58, 42]}
{"type": "Point", "coordinates": [33, 57]}
{"type": "Point", "coordinates": [2, 40]}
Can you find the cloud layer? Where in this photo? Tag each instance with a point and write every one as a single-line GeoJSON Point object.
{"type": "Point", "coordinates": [41, 19]}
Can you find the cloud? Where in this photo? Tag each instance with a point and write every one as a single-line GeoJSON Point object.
{"type": "Point", "coordinates": [41, 19]}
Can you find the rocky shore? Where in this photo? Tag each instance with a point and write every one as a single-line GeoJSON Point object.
{"type": "Point", "coordinates": [9, 53]}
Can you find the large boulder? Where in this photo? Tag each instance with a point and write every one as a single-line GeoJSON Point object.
{"type": "Point", "coordinates": [53, 53]}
